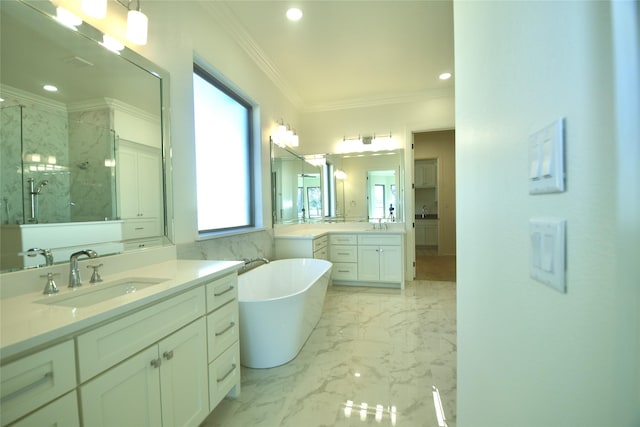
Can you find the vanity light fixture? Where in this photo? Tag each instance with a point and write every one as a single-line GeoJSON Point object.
{"type": "Point", "coordinates": [445, 76]}
{"type": "Point", "coordinates": [315, 160]}
{"type": "Point", "coordinates": [137, 25]}
{"type": "Point", "coordinates": [95, 8]}
{"type": "Point", "coordinates": [341, 175]}
{"type": "Point", "coordinates": [285, 136]}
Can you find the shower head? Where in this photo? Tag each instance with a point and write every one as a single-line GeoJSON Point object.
{"type": "Point", "coordinates": [41, 184]}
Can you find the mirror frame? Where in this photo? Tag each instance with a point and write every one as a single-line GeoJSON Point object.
{"type": "Point", "coordinates": [401, 195]}
{"type": "Point", "coordinates": [93, 35]}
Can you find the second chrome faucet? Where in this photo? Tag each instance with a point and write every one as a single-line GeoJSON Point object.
{"type": "Point", "coordinates": [74, 272]}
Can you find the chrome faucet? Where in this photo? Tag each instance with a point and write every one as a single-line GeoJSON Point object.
{"type": "Point", "coordinates": [250, 261]}
{"type": "Point", "coordinates": [74, 272]}
{"type": "Point", "coordinates": [46, 253]}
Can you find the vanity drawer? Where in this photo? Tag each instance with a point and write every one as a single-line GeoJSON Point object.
{"type": "Point", "coordinates": [221, 291]}
{"type": "Point", "coordinates": [344, 271]}
{"type": "Point", "coordinates": [341, 253]}
{"type": "Point", "coordinates": [377, 239]}
{"type": "Point", "coordinates": [107, 345]}
{"type": "Point", "coordinates": [320, 242]}
{"type": "Point", "coordinates": [140, 228]}
{"type": "Point", "coordinates": [224, 374]}
{"type": "Point", "coordinates": [343, 239]}
{"type": "Point", "coordinates": [222, 329]}
{"type": "Point", "coordinates": [62, 412]}
{"type": "Point", "coordinates": [34, 380]}
{"type": "Point", "coordinates": [322, 253]}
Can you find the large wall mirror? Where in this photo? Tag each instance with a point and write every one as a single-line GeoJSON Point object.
{"type": "Point", "coordinates": [365, 186]}
{"type": "Point", "coordinates": [82, 166]}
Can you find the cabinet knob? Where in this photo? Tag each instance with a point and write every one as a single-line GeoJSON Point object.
{"type": "Point", "coordinates": [168, 354]}
{"type": "Point", "coordinates": [156, 363]}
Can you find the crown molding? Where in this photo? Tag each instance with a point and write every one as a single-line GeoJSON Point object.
{"type": "Point", "coordinates": [224, 16]}
{"type": "Point", "coordinates": [21, 96]}
{"type": "Point", "coordinates": [376, 101]}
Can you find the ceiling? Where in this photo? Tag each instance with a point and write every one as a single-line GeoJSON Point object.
{"type": "Point", "coordinates": [344, 53]}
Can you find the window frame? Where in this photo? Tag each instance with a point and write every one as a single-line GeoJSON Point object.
{"type": "Point", "coordinates": [252, 162]}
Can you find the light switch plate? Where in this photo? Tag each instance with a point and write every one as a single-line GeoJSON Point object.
{"type": "Point", "coordinates": [546, 159]}
{"type": "Point", "coordinates": [548, 252]}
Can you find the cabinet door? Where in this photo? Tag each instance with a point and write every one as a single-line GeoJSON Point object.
{"type": "Point", "coordinates": [421, 238]}
{"type": "Point", "coordinates": [368, 263]}
{"type": "Point", "coordinates": [390, 263]}
{"type": "Point", "coordinates": [127, 181]}
{"type": "Point", "coordinates": [431, 235]}
{"type": "Point", "coordinates": [126, 395]}
{"type": "Point", "coordinates": [183, 376]}
{"type": "Point", "coordinates": [149, 184]}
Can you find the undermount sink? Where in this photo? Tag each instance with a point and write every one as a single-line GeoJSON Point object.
{"type": "Point", "coordinates": [100, 292]}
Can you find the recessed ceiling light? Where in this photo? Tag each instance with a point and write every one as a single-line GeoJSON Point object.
{"type": "Point", "coordinates": [294, 14]}
{"type": "Point", "coordinates": [50, 88]}
{"type": "Point", "coordinates": [444, 76]}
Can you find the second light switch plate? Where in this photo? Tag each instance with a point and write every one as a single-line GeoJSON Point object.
{"type": "Point", "coordinates": [546, 159]}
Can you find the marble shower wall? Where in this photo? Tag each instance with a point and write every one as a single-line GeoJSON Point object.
{"type": "Point", "coordinates": [92, 147]}
{"type": "Point", "coordinates": [68, 150]}
{"type": "Point", "coordinates": [34, 145]}
{"type": "Point", "coordinates": [11, 165]}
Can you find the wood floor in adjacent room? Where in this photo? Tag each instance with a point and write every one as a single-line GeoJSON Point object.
{"type": "Point", "coordinates": [431, 266]}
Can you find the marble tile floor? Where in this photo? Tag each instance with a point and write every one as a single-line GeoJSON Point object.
{"type": "Point", "coordinates": [380, 347]}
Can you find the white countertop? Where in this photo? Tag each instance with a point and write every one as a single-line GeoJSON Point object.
{"type": "Point", "coordinates": [25, 323]}
{"type": "Point", "coordinates": [306, 231]}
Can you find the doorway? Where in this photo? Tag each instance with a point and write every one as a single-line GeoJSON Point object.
{"type": "Point", "coordinates": [434, 195]}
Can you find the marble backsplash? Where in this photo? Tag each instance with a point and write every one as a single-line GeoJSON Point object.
{"type": "Point", "coordinates": [257, 244]}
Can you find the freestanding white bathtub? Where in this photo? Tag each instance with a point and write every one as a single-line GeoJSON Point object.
{"type": "Point", "coordinates": [280, 304]}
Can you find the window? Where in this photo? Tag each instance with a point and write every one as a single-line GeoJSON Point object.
{"type": "Point", "coordinates": [223, 135]}
{"type": "Point", "coordinates": [378, 201]}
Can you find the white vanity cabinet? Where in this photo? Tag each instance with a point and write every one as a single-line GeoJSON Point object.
{"type": "Point", "coordinates": [380, 258]}
{"type": "Point", "coordinates": [163, 358]}
{"type": "Point", "coordinates": [35, 380]}
{"type": "Point", "coordinates": [373, 258]}
{"type": "Point", "coordinates": [302, 247]}
{"type": "Point", "coordinates": [139, 190]}
{"type": "Point", "coordinates": [164, 384]}
{"type": "Point", "coordinates": [223, 339]}
{"type": "Point", "coordinates": [343, 253]}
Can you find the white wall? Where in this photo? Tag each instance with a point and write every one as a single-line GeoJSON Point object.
{"type": "Point", "coordinates": [528, 355]}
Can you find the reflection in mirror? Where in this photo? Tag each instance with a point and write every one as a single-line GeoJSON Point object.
{"type": "Point", "coordinates": [296, 186]}
{"type": "Point", "coordinates": [81, 166]}
{"type": "Point", "coordinates": [336, 188]}
{"type": "Point", "coordinates": [382, 194]}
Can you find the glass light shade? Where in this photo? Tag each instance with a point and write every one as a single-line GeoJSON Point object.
{"type": "Point", "coordinates": [111, 43]}
{"type": "Point", "coordinates": [137, 23]}
{"type": "Point", "coordinates": [95, 8]}
{"type": "Point", "coordinates": [67, 18]}
{"type": "Point", "coordinates": [295, 141]}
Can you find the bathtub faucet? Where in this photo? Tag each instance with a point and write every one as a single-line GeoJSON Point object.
{"type": "Point", "coordinates": [251, 261]}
